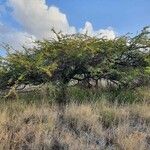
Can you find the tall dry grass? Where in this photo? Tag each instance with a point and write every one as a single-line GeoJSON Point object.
{"type": "Point", "coordinates": [90, 126]}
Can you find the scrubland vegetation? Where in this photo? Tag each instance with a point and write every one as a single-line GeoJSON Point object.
{"type": "Point", "coordinates": [52, 96]}
{"type": "Point", "coordinates": [30, 122]}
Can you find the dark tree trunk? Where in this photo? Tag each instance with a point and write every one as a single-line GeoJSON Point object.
{"type": "Point", "coordinates": [96, 84]}
{"type": "Point", "coordinates": [61, 101]}
{"type": "Point", "coordinates": [61, 98]}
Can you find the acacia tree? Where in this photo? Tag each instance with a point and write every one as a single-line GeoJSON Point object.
{"type": "Point", "coordinates": [77, 57]}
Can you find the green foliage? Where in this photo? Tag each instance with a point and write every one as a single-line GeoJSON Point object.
{"type": "Point", "coordinates": [78, 57]}
{"type": "Point", "coordinates": [124, 96]}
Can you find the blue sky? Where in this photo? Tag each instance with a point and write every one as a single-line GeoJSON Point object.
{"type": "Point", "coordinates": [123, 15]}
{"type": "Point", "coordinates": [22, 21]}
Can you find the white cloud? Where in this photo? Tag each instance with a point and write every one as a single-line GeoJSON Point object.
{"type": "Point", "coordinates": [38, 19]}
{"type": "Point", "coordinates": [101, 33]}
{"type": "Point", "coordinates": [15, 38]}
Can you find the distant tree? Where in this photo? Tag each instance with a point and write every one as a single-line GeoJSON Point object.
{"type": "Point", "coordinates": [77, 57]}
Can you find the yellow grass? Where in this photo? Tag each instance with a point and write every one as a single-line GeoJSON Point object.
{"type": "Point", "coordinates": [85, 126]}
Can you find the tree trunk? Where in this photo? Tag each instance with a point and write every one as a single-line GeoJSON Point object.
{"type": "Point", "coordinates": [61, 101]}
{"type": "Point", "coordinates": [96, 84]}
{"type": "Point", "coordinates": [61, 98]}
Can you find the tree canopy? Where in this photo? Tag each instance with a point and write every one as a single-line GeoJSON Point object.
{"type": "Point", "coordinates": [78, 57]}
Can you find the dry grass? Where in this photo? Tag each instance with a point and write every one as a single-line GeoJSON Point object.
{"type": "Point", "coordinates": [145, 93]}
{"type": "Point", "coordinates": [85, 126]}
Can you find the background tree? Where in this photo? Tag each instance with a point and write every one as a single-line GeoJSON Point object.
{"type": "Point", "coordinates": [78, 57]}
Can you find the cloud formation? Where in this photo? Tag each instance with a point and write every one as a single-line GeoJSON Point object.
{"type": "Point", "coordinates": [101, 33]}
{"type": "Point", "coordinates": [15, 38]}
{"type": "Point", "coordinates": [37, 20]}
